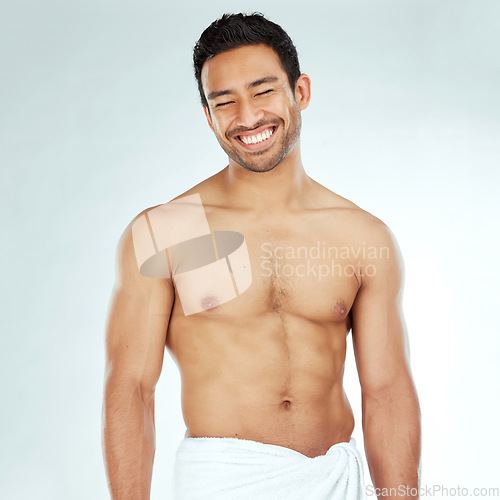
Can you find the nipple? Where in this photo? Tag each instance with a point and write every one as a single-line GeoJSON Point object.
{"type": "Point", "coordinates": [340, 308]}
{"type": "Point", "coordinates": [209, 302]}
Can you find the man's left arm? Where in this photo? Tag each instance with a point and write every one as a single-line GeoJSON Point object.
{"type": "Point", "coordinates": [391, 412]}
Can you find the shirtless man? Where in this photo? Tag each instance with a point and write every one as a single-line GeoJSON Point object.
{"type": "Point", "coordinates": [263, 366]}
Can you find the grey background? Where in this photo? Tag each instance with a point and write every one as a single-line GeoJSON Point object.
{"type": "Point", "coordinates": [100, 119]}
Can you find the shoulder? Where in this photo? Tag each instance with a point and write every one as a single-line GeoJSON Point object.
{"type": "Point", "coordinates": [379, 254]}
{"type": "Point", "coordinates": [160, 226]}
{"type": "Point", "coordinates": [369, 237]}
{"type": "Point", "coordinates": [370, 228]}
{"type": "Point", "coordinates": [350, 215]}
{"type": "Point", "coordinates": [194, 196]}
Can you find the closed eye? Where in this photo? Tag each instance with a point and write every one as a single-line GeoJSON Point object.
{"type": "Point", "coordinates": [265, 92]}
{"type": "Point", "coordinates": [221, 104]}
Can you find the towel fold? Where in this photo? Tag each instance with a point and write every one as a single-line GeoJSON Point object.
{"type": "Point", "coordinates": [212, 468]}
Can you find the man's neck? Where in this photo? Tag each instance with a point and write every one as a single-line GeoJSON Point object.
{"type": "Point", "coordinates": [281, 189]}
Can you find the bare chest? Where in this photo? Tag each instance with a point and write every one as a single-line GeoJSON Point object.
{"type": "Point", "coordinates": [298, 268]}
{"type": "Point", "coordinates": [302, 272]}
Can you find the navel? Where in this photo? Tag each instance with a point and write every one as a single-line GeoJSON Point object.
{"type": "Point", "coordinates": [286, 404]}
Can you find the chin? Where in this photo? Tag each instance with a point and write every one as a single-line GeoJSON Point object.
{"type": "Point", "coordinates": [260, 168]}
{"type": "Point", "coordinates": [264, 167]}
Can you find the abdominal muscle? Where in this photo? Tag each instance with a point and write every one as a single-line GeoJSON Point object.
{"type": "Point", "coordinates": [273, 378]}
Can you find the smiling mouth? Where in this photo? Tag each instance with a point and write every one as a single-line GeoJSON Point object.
{"type": "Point", "coordinates": [260, 138]}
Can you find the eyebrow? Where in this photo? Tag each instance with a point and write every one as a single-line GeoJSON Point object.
{"type": "Point", "coordinates": [256, 83]}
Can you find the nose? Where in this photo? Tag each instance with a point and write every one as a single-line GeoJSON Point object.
{"type": "Point", "coordinates": [248, 114]}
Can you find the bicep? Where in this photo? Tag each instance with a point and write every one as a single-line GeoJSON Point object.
{"type": "Point", "coordinates": [378, 326]}
{"type": "Point", "coordinates": [137, 324]}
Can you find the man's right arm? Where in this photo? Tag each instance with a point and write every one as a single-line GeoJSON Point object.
{"type": "Point", "coordinates": [136, 332]}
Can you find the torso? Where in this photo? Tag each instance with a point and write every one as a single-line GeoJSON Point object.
{"type": "Point", "coordinates": [268, 364]}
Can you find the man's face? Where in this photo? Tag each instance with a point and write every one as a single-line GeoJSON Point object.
{"type": "Point", "coordinates": [251, 107]}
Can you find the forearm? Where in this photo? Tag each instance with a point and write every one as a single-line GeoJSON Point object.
{"type": "Point", "coordinates": [128, 442]}
{"type": "Point", "coordinates": [391, 427]}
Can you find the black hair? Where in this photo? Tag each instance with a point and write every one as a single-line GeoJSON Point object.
{"type": "Point", "coordinates": [237, 30]}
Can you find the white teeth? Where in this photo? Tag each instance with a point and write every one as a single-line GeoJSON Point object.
{"type": "Point", "coordinates": [254, 139]}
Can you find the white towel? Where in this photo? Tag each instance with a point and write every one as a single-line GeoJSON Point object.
{"type": "Point", "coordinates": [212, 468]}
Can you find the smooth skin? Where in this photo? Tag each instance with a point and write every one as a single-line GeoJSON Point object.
{"type": "Point", "coordinates": [267, 365]}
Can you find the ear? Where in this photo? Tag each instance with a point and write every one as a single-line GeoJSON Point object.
{"type": "Point", "coordinates": [209, 117]}
{"type": "Point", "coordinates": [303, 91]}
